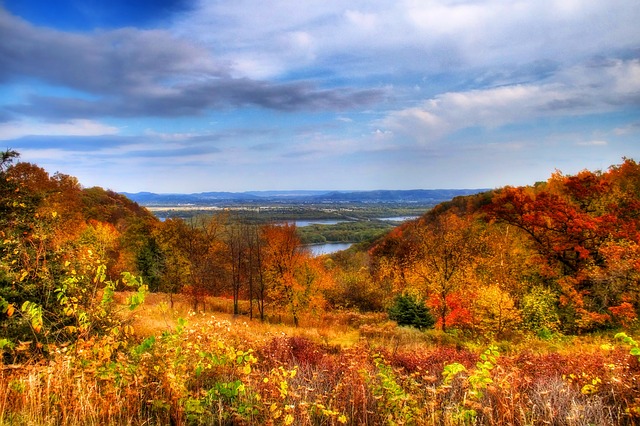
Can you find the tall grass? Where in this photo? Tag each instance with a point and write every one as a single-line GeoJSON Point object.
{"type": "Point", "coordinates": [344, 369]}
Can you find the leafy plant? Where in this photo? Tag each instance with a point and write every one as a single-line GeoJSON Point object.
{"type": "Point", "coordinates": [477, 379]}
{"type": "Point", "coordinates": [450, 372]}
{"type": "Point", "coordinates": [635, 348]}
{"type": "Point", "coordinates": [395, 404]}
{"type": "Point", "coordinates": [481, 376]}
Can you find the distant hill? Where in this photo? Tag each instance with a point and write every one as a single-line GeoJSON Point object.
{"type": "Point", "coordinates": [419, 196]}
{"type": "Point", "coordinates": [397, 196]}
{"type": "Point", "coordinates": [203, 198]}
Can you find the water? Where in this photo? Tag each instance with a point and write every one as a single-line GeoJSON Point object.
{"type": "Point", "coordinates": [399, 218]}
{"type": "Point", "coordinates": [327, 248]}
{"type": "Point", "coordinates": [303, 223]}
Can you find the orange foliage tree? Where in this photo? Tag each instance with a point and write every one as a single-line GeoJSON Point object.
{"type": "Point", "coordinates": [295, 279]}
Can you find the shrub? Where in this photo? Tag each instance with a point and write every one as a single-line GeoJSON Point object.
{"type": "Point", "coordinates": [539, 310]}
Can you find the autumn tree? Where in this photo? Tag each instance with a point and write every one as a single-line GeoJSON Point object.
{"type": "Point", "coordinates": [354, 286]}
{"type": "Point", "coordinates": [244, 253]}
{"type": "Point", "coordinates": [295, 279]}
{"type": "Point", "coordinates": [255, 245]}
{"type": "Point", "coordinates": [283, 257]}
{"type": "Point", "coordinates": [201, 243]}
{"type": "Point", "coordinates": [392, 259]}
{"type": "Point", "coordinates": [494, 313]}
{"type": "Point", "coordinates": [50, 276]}
{"type": "Point", "coordinates": [539, 309]}
{"type": "Point", "coordinates": [507, 260]}
{"type": "Point", "coordinates": [621, 253]}
{"type": "Point", "coordinates": [447, 249]}
{"type": "Point", "coordinates": [577, 224]}
{"type": "Point", "coordinates": [258, 285]}
{"type": "Point", "coordinates": [34, 247]}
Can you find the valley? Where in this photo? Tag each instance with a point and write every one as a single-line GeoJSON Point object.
{"type": "Point", "coordinates": [321, 217]}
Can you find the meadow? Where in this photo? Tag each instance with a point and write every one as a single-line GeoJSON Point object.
{"type": "Point", "coordinates": [517, 306]}
{"type": "Point", "coordinates": [164, 365]}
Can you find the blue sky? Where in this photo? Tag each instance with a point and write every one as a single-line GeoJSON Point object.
{"type": "Point", "coordinates": [191, 96]}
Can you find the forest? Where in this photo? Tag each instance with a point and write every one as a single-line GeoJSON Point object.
{"type": "Point", "coordinates": [518, 305]}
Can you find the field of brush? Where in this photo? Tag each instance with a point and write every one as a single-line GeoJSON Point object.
{"type": "Point", "coordinates": [168, 365]}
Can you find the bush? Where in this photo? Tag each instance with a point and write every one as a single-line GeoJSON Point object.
{"type": "Point", "coordinates": [407, 310]}
{"type": "Point", "coordinates": [540, 312]}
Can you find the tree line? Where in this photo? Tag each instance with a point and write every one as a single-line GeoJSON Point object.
{"type": "Point", "coordinates": [561, 256]}
{"type": "Point", "coordinates": [65, 249]}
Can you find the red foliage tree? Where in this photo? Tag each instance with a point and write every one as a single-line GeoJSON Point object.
{"type": "Point", "coordinates": [574, 223]}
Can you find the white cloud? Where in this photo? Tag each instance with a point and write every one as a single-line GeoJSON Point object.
{"type": "Point", "coordinates": [578, 90]}
{"type": "Point", "coordinates": [414, 35]}
{"type": "Point", "coordinates": [629, 129]}
{"type": "Point", "coordinates": [593, 143]}
{"type": "Point", "coordinates": [19, 129]}
{"type": "Point", "coordinates": [365, 22]}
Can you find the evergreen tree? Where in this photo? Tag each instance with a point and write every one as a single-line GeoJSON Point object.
{"type": "Point", "coordinates": [407, 310]}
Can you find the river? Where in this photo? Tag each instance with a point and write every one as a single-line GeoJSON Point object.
{"type": "Point", "coordinates": [327, 248]}
{"type": "Point", "coordinates": [303, 223]}
{"type": "Point", "coordinates": [398, 218]}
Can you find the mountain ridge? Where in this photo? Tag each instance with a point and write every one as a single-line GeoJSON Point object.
{"type": "Point", "coordinates": [301, 196]}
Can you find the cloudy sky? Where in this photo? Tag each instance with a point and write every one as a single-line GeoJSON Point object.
{"type": "Point", "coordinates": [215, 95]}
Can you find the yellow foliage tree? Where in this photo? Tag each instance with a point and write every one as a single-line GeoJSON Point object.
{"type": "Point", "coordinates": [494, 313]}
{"type": "Point", "coordinates": [447, 250]}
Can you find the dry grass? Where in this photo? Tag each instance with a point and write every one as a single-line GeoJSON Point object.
{"type": "Point", "coordinates": [340, 368]}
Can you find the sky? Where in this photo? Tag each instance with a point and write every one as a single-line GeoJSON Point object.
{"type": "Point", "coordinates": [181, 96]}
